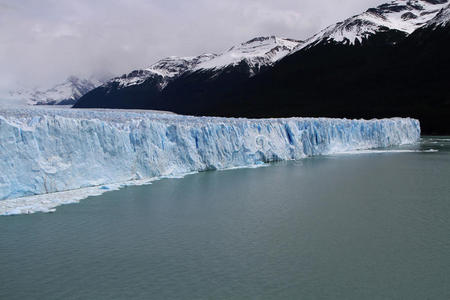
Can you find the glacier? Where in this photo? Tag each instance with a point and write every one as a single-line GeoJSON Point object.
{"type": "Point", "coordinates": [56, 151]}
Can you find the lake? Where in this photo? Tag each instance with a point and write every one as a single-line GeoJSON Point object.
{"type": "Point", "coordinates": [369, 225]}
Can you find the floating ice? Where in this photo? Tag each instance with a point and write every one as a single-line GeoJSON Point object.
{"type": "Point", "coordinates": [50, 150]}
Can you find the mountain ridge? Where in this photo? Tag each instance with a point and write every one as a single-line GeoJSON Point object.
{"type": "Point", "coordinates": [401, 15]}
{"type": "Point", "coordinates": [266, 51]}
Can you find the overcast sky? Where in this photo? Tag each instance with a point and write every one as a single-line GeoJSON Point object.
{"type": "Point", "coordinates": [44, 41]}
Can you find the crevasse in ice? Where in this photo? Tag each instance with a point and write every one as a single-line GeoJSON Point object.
{"type": "Point", "coordinates": [50, 150]}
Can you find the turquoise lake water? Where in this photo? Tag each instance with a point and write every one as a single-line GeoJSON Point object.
{"type": "Point", "coordinates": [362, 226]}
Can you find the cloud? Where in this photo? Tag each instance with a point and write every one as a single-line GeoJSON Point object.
{"type": "Point", "coordinates": [44, 41]}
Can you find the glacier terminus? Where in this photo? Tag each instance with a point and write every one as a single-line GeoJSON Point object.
{"type": "Point", "coordinates": [52, 151]}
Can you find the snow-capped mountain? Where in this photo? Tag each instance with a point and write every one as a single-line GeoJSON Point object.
{"type": "Point", "coordinates": [390, 73]}
{"type": "Point", "coordinates": [441, 19]}
{"type": "Point", "coordinates": [165, 69]}
{"type": "Point", "coordinates": [401, 15]}
{"type": "Point", "coordinates": [391, 60]}
{"type": "Point", "coordinates": [65, 93]}
{"type": "Point", "coordinates": [256, 53]}
{"type": "Point", "coordinates": [136, 89]}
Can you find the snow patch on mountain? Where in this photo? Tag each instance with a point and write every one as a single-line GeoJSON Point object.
{"type": "Point", "coordinates": [65, 93]}
{"type": "Point", "coordinates": [258, 52]}
{"type": "Point", "coordinates": [402, 15]}
{"type": "Point", "coordinates": [164, 70]}
{"type": "Point", "coordinates": [441, 19]}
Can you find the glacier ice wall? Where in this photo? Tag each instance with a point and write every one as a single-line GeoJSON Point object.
{"type": "Point", "coordinates": [49, 150]}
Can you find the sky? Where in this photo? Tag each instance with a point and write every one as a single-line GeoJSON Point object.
{"type": "Point", "coordinates": [44, 41]}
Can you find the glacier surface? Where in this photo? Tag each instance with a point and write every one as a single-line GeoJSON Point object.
{"type": "Point", "coordinates": [50, 150]}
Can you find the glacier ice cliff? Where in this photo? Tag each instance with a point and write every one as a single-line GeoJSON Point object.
{"type": "Point", "coordinates": [52, 150]}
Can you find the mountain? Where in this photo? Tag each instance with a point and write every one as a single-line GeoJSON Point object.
{"type": "Point", "coordinates": [257, 53]}
{"type": "Point", "coordinates": [161, 72]}
{"type": "Point", "coordinates": [387, 74]}
{"type": "Point", "coordinates": [65, 93]}
{"type": "Point", "coordinates": [391, 60]}
{"type": "Point", "coordinates": [400, 15]}
{"type": "Point", "coordinates": [442, 18]}
{"type": "Point", "coordinates": [147, 87]}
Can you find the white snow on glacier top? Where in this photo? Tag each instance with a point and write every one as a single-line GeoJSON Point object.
{"type": "Point", "coordinates": [401, 15]}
